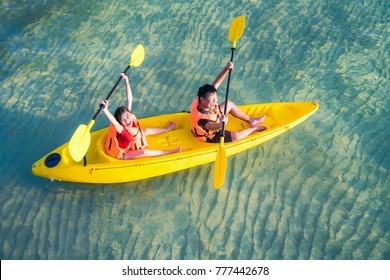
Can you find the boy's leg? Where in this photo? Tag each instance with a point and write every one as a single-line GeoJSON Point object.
{"type": "Point", "coordinates": [241, 134]}
{"type": "Point", "coordinates": [236, 112]}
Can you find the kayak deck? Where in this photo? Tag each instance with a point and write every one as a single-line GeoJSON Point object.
{"type": "Point", "coordinates": [98, 167]}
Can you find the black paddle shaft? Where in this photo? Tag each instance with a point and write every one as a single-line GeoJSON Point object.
{"type": "Point", "coordinates": [109, 95]}
{"type": "Point", "coordinates": [227, 94]}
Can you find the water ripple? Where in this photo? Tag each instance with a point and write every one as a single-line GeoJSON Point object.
{"type": "Point", "coordinates": [319, 191]}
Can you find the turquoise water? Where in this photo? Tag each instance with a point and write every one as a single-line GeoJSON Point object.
{"type": "Point", "coordinates": [320, 191]}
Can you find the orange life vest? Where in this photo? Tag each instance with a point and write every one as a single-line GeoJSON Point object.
{"type": "Point", "coordinates": [112, 145]}
{"type": "Point", "coordinates": [197, 131]}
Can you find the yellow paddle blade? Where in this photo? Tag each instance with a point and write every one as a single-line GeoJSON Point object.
{"type": "Point", "coordinates": [236, 29]}
{"type": "Point", "coordinates": [220, 166]}
{"type": "Point", "coordinates": [80, 141]}
{"type": "Point", "coordinates": [137, 56]}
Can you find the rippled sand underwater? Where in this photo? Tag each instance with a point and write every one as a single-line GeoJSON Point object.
{"type": "Point", "coordinates": [320, 191]}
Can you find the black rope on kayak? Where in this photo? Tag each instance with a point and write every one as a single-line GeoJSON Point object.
{"type": "Point", "coordinates": [85, 161]}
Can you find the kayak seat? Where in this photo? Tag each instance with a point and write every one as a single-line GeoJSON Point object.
{"type": "Point", "coordinates": [100, 148]}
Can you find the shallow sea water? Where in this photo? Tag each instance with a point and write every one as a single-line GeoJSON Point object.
{"type": "Point", "coordinates": [319, 191]}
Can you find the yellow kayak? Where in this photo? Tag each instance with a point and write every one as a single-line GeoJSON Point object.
{"type": "Point", "coordinates": [97, 167]}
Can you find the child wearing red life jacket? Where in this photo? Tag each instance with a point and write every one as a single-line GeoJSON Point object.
{"type": "Point", "coordinates": [126, 139]}
{"type": "Point", "coordinates": [207, 116]}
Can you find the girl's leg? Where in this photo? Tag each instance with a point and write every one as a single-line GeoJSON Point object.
{"type": "Point", "coordinates": [149, 153]}
{"type": "Point", "coordinates": [154, 130]}
{"type": "Point", "coordinates": [153, 153]}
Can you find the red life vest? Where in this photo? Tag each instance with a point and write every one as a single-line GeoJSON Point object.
{"type": "Point", "coordinates": [112, 146]}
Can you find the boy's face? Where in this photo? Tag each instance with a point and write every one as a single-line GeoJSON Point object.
{"type": "Point", "coordinates": [210, 101]}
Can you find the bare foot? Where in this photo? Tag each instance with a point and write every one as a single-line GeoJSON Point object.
{"type": "Point", "coordinates": [261, 128]}
{"type": "Point", "coordinates": [177, 150]}
{"type": "Point", "coordinates": [256, 121]}
{"type": "Point", "coordinates": [170, 126]}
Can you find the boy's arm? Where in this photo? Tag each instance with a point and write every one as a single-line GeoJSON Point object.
{"type": "Point", "coordinates": [214, 126]}
{"type": "Point", "coordinates": [221, 76]}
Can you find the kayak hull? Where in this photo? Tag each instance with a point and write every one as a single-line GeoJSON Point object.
{"type": "Point", "coordinates": [97, 167]}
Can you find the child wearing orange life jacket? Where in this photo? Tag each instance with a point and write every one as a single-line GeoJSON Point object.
{"type": "Point", "coordinates": [126, 139]}
{"type": "Point", "coordinates": [207, 116]}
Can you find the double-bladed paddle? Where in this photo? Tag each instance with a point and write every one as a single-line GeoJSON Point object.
{"type": "Point", "coordinates": [235, 32]}
{"type": "Point", "coordinates": [81, 138]}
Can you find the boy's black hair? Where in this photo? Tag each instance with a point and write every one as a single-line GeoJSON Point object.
{"type": "Point", "coordinates": [205, 89]}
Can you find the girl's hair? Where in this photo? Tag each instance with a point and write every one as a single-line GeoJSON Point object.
{"type": "Point", "coordinates": [205, 89]}
{"type": "Point", "coordinates": [118, 113]}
